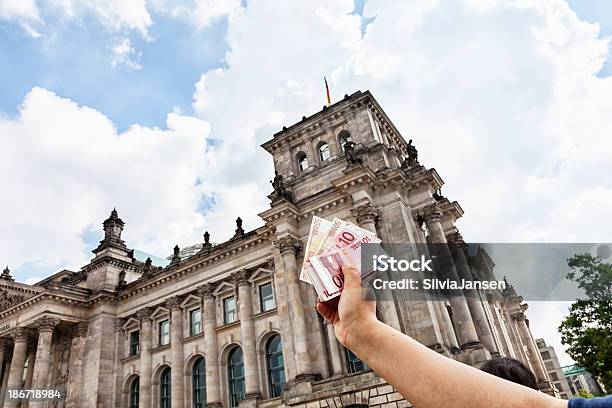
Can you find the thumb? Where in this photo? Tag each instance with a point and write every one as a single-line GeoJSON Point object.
{"type": "Point", "coordinates": [352, 279]}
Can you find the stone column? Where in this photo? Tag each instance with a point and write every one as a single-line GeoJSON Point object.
{"type": "Point", "coordinates": [20, 338]}
{"type": "Point", "coordinates": [46, 325]}
{"type": "Point", "coordinates": [366, 216]}
{"type": "Point", "coordinates": [119, 354]}
{"type": "Point", "coordinates": [4, 367]}
{"type": "Point", "coordinates": [466, 332]}
{"type": "Point", "coordinates": [75, 370]}
{"type": "Point", "coordinates": [533, 353]}
{"type": "Point", "coordinates": [288, 246]}
{"type": "Point", "coordinates": [209, 315]}
{"type": "Point", "coordinates": [176, 347]}
{"type": "Point", "coordinates": [247, 333]}
{"type": "Point", "coordinates": [334, 350]}
{"type": "Point", "coordinates": [483, 329]}
{"type": "Point", "coordinates": [144, 315]}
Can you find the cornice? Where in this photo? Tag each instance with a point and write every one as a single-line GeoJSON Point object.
{"type": "Point", "coordinates": [219, 253]}
{"type": "Point", "coordinates": [318, 121]}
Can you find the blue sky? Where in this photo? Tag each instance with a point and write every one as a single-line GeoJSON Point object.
{"type": "Point", "coordinates": [75, 60]}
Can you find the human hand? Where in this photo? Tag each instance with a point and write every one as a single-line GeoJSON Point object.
{"type": "Point", "coordinates": [350, 313]}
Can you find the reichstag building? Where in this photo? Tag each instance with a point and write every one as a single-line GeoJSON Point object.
{"type": "Point", "coordinates": [229, 324]}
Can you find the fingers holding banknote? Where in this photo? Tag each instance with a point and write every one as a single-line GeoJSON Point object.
{"type": "Point", "coordinates": [350, 313]}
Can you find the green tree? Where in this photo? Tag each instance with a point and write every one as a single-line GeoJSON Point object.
{"type": "Point", "coordinates": [587, 331]}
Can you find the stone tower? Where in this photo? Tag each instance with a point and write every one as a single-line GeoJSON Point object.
{"type": "Point", "coordinates": [350, 161]}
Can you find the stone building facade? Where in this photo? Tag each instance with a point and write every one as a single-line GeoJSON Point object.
{"type": "Point", "coordinates": [230, 324]}
{"type": "Point", "coordinates": [554, 369]}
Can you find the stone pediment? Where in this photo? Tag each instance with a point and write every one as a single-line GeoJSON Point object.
{"type": "Point", "coordinates": [260, 273]}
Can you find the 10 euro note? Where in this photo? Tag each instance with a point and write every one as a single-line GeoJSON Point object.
{"type": "Point", "coordinates": [319, 230]}
{"type": "Point", "coordinates": [326, 268]}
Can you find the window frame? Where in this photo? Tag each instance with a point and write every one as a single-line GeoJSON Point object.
{"type": "Point", "coordinates": [272, 390]}
{"type": "Point", "coordinates": [343, 137]}
{"type": "Point", "coordinates": [235, 398]}
{"type": "Point", "coordinates": [262, 300]}
{"type": "Point", "coordinates": [134, 393]}
{"type": "Point", "coordinates": [353, 362]}
{"type": "Point", "coordinates": [165, 388]}
{"type": "Point", "coordinates": [226, 311]}
{"type": "Point", "coordinates": [192, 332]}
{"type": "Point", "coordinates": [321, 153]}
{"type": "Point", "coordinates": [301, 157]}
{"type": "Point", "coordinates": [196, 387]}
{"type": "Point", "coordinates": [134, 347]}
{"type": "Point", "coordinates": [162, 334]}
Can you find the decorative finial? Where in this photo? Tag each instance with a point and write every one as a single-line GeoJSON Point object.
{"type": "Point", "coordinates": [206, 238]}
{"type": "Point", "coordinates": [147, 266]}
{"type": "Point", "coordinates": [6, 274]}
{"type": "Point", "coordinates": [239, 231]}
{"type": "Point", "coordinates": [176, 255]}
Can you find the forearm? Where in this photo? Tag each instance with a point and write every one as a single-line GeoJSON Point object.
{"type": "Point", "coordinates": [428, 379]}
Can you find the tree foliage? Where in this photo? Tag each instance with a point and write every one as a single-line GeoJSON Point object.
{"type": "Point", "coordinates": [587, 331]}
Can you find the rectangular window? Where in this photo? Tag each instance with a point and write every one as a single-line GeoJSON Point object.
{"type": "Point", "coordinates": [164, 332]}
{"type": "Point", "coordinates": [134, 342]}
{"type": "Point", "coordinates": [546, 355]}
{"type": "Point", "coordinates": [554, 376]}
{"type": "Point", "coordinates": [229, 310]}
{"type": "Point", "coordinates": [195, 322]}
{"type": "Point", "coordinates": [266, 297]}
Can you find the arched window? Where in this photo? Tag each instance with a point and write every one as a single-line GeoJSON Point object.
{"type": "Point", "coordinates": [343, 138]}
{"type": "Point", "coordinates": [236, 376]}
{"type": "Point", "coordinates": [198, 376]}
{"type": "Point", "coordinates": [276, 366]}
{"type": "Point", "coordinates": [164, 389]}
{"type": "Point", "coordinates": [302, 161]}
{"type": "Point", "coordinates": [324, 153]}
{"type": "Point", "coordinates": [134, 393]}
{"type": "Point", "coordinates": [354, 363]}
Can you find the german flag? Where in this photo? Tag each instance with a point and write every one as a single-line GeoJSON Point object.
{"type": "Point", "coordinates": [327, 92]}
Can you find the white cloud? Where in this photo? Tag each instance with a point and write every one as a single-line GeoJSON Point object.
{"type": "Point", "coordinates": [18, 9]}
{"type": "Point", "coordinates": [199, 13]}
{"type": "Point", "coordinates": [115, 15]}
{"type": "Point", "coordinates": [123, 54]}
{"type": "Point", "coordinates": [63, 167]}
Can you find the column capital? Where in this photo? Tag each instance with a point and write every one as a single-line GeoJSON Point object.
{"type": "Point", "coordinates": [432, 213]}
{"type": "Point", "coordinates": [46, 324]}
{"type": "Point", "coordinates": [174, 303]}
{"type": "Point", "coordinates": [365, 213]}
{"type": "Point", "coordinates": [455, 238]}
{"type": "Point", "coordinates": [80, 329]}
{"type": "Point", "coordinates": [288, 245]}
{"type": "Point", "coordinates": [118, 324]}
{"type": "Point", "coordinates": [20, 335]}
{"type": "Point", "coordinates": [241, 278]}
{"type": "Point", "coordinates": [206, 290]}
{"type": "Point", "coordinates": [144, 314]}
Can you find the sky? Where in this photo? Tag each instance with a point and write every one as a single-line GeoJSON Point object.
{"type": "Point", "coordinates": [158, 108]}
